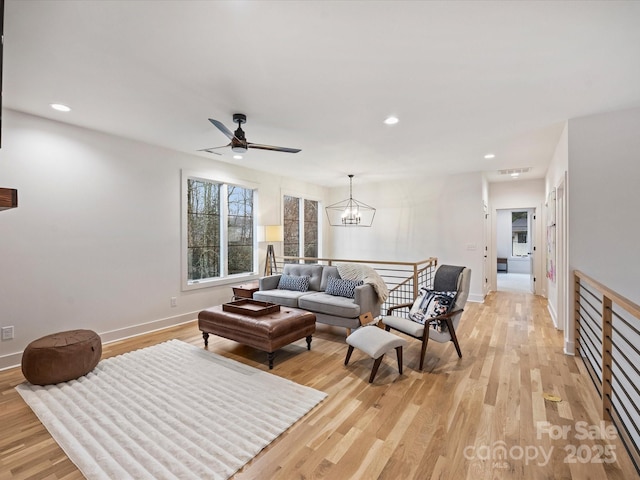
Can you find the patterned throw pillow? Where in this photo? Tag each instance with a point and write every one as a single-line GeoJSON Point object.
{"type": "Point", "coordinates": [430, 304]}
{"type": "Point", "coordinates": [342, 288]}
{"type": "Point", "coordinates": [293, 282]}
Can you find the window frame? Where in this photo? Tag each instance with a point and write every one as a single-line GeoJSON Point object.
{"type": "Point", "coordinates": [301, 199]}
{"type": "Point", "coordinates": [224, 278]}
{"type": "Point", "coordinates": [518, 234]}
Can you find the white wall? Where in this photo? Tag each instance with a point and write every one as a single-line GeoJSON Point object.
{"type": "Point", "coordinates": [406, 214]}
{"type": "Point", "coordinates": [417, 219]}
{"type": "Point", "coordinates": [604, 199]}
{"type": "Point", "coordinates": [95, 240]}
{"type": "Point", "coordinates": [556, 181]}
{"type": "Point", "coordinates": [461, 235]}
{"type": "Point", "coordinates": [522, 195]}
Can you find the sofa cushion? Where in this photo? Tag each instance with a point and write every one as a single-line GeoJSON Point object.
{"type": "Point", "coordinates": [321, 302]}
{"type": "Point", "coordinates": [286, 298]}
{"type": "Point", "coordinates": [329, 271]}
{"type": "Point", "coordinates": [292, 282]}
{"type": "Point", "coordinates": [314, 272]}
{"type": "Point", "coordinates": [342, 288]}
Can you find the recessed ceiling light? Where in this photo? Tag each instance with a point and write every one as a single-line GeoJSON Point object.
{"type": "Point", "coordinates": [237, 157]}
{"type": "Point", "coordinates": [515, 174]}
{"type": "Point", "coordinates": [60, 107]}
{"type": "Point", "coordinates": [391, 120]}
{"type": "Point", "coordinates": [489, 155]}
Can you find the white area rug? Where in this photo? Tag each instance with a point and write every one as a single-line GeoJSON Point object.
{"type": "Point", "coordinates": [171, 411]}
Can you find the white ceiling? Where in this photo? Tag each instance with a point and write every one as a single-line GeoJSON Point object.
{"type": "Point", "coordinates": [465, 78]}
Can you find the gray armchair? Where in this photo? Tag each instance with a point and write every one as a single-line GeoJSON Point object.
{"type": "Point", "coordinates": [441, 282]}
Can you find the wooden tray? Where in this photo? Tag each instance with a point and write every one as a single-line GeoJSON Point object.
{"type": "Point", "coordinates": [253, 308]}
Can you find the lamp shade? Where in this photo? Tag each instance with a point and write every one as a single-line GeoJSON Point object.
{"type": "Point", "coordinates": [271, 233]}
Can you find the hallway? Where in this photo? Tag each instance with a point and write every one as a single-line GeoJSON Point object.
{"type": "Point", "coordinates": [514, 282]}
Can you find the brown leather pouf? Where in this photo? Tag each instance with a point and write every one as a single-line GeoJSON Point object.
{"type": "Point", "coordinates": [61, 357]}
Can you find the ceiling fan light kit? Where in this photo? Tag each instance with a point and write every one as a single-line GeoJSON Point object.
{"type": "Point", "coordinates": [350, 212]}
{"type": "Point", "coordinates": [238, 139]}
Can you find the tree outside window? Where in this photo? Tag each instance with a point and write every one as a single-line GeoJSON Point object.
{"type": "Point", "coordinates": [240, 230]}
{"type": "Point", "coordinates": [220, 238]}
{"type": "Point", "coordinates": [203, 229]}
{"type": "Point", "coordinates": [300, 219]}
{"type": "Point", "coordinates": [291, 221]}
{"type": "Point", "coordinates": [310, 228]}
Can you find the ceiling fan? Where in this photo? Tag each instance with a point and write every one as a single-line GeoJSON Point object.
{"type": "Point", "coordinates": [239, 142]}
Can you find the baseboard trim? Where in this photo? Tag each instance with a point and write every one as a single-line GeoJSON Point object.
{"type": "Point", "coordinates": [142, 328]}
{"type": "Point", "coordinates": [475, 297]}
{"type": "Point", "coordinates": [10, 361]}
{"type": "Point", "coordinates": [570, 348]}
{"type": "Point", "coordinates": [13, 360]}
{"type": "Point", "coordinates": [554, 316]}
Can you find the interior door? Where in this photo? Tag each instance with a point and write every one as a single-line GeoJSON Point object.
{"type": "Point", "coordinates": [532, 250]}
{"type": "Point", "coordinates": [486, 265]}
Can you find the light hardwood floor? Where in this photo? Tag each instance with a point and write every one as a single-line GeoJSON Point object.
{"type": "Point", "coordinates": [448, 422]}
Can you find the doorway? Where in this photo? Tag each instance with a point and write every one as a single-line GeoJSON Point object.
{"type": "Point", "coordinates": [515, 250]}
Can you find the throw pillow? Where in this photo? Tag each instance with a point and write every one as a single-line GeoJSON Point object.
{"type": "Point", "coordinates": [430, 304]}
{"type": "Point", "coordinates": [339, 287]}
{"type": "Point", "coordinates": [295, 283]}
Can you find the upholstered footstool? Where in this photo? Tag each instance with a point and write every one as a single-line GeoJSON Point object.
{"type": "Point", "coordinates": [375, 342]}
{"type": "Point", "coordinates": [61, 357]}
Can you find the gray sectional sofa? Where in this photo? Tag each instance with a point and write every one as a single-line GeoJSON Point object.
{"type": "Point", "coordinates": [329, 309]}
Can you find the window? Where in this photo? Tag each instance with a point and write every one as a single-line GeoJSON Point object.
{"type": "Point", "coordinates": [520, 234]}
{"type": "Point", "coordinates": [310, 228]}
{"type": "Point", "coordinates": [240, 228]}
{"type": "Point", "coordinates": [300, 218]}
{"type": "Point", "coordinates": [219, 230]}
{"type": "Point", "coordinates": [291, 218]}
{"type": "Point", "coordinates": [203, 230]}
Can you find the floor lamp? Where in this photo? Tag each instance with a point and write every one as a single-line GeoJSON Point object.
{"type": "Point", "coordinates": [272, 233]}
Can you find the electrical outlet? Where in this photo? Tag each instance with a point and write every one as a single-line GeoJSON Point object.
{"type": "Point", "coordinates": [174, 301]}
{"type": "Point", "coordinates": [7, 333]}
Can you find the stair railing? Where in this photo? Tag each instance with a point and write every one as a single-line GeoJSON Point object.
{"type": "Point", "coordinates": [607, 339]}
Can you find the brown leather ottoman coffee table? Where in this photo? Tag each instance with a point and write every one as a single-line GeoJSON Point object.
{"type": "Point", "coordinates": [267, 331]}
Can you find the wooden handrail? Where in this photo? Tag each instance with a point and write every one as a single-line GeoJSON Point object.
{"type": "Point", "coordinates": [628, 305]}
{"type": "Point", "coordinates": [8, 198]}
{"type": "Point", "coordinates": [330, 261]}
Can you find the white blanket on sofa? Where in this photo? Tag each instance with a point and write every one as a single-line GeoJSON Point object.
{"type": "Point", "coordinates": [357, 272]}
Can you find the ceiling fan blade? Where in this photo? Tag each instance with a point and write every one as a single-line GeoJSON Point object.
{"type": "Point", "coordinates": [272, 148]}
{"type": "Point", "coordinates": [210, 150]}
{"type": "Point", "coordinates": [222, 128]}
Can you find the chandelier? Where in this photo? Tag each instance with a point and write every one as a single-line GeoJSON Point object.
{"type": "Point", "coordinates": [350, 212]}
